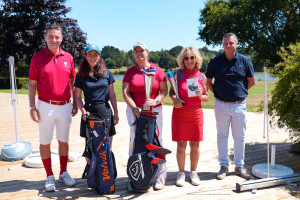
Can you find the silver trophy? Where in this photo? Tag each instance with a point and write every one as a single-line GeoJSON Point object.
{"type": "Point", "coordinates": [173, 81]}
{"type": "Point", "coordinates": [148, 79]}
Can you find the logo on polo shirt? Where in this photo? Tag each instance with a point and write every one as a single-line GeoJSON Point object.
{"type": "Point", "coordinates": [65, 64]}
{"type": "Point", "coordinates": [240, 66]}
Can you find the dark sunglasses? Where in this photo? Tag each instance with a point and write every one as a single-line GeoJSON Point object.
{"type": "Point", "coordinates": [187, 58]}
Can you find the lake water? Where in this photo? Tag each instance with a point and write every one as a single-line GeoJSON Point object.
{"type": "Point", "coordinates": [259, 76]}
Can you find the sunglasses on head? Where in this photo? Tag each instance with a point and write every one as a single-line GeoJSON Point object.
{"type": "Point", "coordinates": [187, 58]}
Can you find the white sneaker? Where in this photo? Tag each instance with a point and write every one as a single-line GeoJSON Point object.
{"type": "Point", "coordinates": [194, 178]}
{"type": "Point", "coordinates": [180, 179]}
{"type": "Point", "coordinates": [67, 179]}
{"type": "Point", "coordinates": [160, 183]}
{"type": "Point", "coordinates": [50, 183]}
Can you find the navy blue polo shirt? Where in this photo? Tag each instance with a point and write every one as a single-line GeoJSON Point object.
{"type": "Point", "coordinates": [231, 82]}
{"type": "Point", "coordinates": [95, 89]}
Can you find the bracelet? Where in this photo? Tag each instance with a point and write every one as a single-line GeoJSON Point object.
{"type": "Point", "coordinates": [31, 107]}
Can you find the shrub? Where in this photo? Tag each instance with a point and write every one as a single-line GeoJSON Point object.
{"type": "Point", "coordinates": [20, 82]}
{"type": "Point", "coordinates": [286, 95]}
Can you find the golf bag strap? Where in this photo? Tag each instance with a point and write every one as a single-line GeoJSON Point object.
{"type": "Point", "coordinates": [89, 168]}
{"type": "Point", "coordinates": [92, 167]}
{"type": "Point", "coordinates": [89, 141]}
{"type": "Point", "coordinates": [93, 117]}
{"type": "Point", "coordinates": [162, 156]}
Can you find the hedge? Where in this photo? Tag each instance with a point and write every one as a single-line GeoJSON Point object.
{"type": "Point", "coordinates": [21, 83]}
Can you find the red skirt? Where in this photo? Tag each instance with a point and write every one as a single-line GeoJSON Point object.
{"type": "Point", "coordinates": [187, 124]}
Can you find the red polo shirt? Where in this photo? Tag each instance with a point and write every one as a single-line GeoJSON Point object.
{"type": "Point", "coordinates": [52, 73]}
{"type": "Point", "coordinates": [134, 77]}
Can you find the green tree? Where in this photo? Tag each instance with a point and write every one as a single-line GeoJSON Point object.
{"type": "Point", "coordinates": [110, 63]}
{"type": "Point", "coordinates": [286, 95]}
{"type": "Point", "coordinates": [115, 54]}
{"type": "Point", "coordinates": [261, 26]}
{"type": "Point", "coordinates": [204, 64]}
{"type": "Point", "coordinates": [175, 51]}
{"type": "Point", "coordinates": [129, 59]}
{"type": "Point", "coordinates": [22, 28]}
{"type": "Point", "coordinates": [166, 61]}
{"type": "Point", "coordinates": [154, 56]}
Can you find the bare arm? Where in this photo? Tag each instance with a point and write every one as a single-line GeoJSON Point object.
{"type": "Point", "coordinates": [113, 100]}
{"type": "Point", "coordinates": [163, 91]}
{"type": "Point", "coordinates": [128, 99]}
{"type": "Point", "coordinates": [75, 107]}
{"type": "Point", "coordinates": [178, 103]}
{"type": "Point", "coordinates": [79, 102]}
{"type": "Point", "coordinates": [203, 95]}
{"type": "Point", "coordinates": [209, 84]}
{"type": "Point", "coordinates": [34, 113]}
{"type": "Point", "coordinates": [251, 81]}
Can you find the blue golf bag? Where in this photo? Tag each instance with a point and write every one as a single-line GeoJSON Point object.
{"type": "Point", "coordinates": [101, 173]}
{"type": "Point", "coordinates": [147, 154]}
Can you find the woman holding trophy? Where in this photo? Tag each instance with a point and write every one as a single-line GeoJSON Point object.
{"type": "Point", "coordinates": [187, 116]}
{"type": "Point", "coordinates": [134, 94]}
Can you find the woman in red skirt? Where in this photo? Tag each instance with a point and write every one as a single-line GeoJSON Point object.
{"type": "Point", "coordinates": [187, 117]}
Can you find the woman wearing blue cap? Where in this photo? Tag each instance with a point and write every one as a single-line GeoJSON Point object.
{"type": "Point", "coordinates": [96, 82]}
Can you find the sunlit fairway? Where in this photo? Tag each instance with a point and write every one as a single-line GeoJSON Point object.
{"type": "Point", "coordinates": [254, 100]}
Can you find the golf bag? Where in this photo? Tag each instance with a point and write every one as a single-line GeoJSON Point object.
{"type": "Point", "coordinates": [147, 154]}
{"type": "Point", "coordinates": [101, 173]}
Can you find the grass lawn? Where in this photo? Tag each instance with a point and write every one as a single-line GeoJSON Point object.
{"type": "Point", "coordinates": [254, 100]}
{"type": "Point", "coordinates": [121, 70]}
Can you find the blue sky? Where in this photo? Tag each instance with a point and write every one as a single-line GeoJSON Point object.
{"type": "Point", "coordinates": [161, 24]}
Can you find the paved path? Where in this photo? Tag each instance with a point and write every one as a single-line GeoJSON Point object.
{"type": "Point", "coordinates": [28, 183]}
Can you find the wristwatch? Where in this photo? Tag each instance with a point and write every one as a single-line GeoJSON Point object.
{"type": "Point", "coordinates": [157, 101]}
{"type": "Point", "coordinates": [31, 107]}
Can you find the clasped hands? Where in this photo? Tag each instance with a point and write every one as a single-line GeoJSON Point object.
{"type": "Point", "coordinates": [136, 111]}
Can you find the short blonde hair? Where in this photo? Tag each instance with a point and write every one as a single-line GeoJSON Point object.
{"type": "Point", "coordinates": [191, 50]}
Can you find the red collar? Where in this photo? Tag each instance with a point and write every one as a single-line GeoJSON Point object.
{"type": "Point", "coordinates": [151, 66]}
{"type": "Point", "coordinates": [189, 72]}
{"type": "Point", "coordinates": [60, 53]}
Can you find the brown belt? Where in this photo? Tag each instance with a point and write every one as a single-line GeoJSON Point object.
{"type": "Point", "coordinates": [233, 102]}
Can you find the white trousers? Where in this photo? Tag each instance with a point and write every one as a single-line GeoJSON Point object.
{"type": "Point", "coordinates": [54, 115]}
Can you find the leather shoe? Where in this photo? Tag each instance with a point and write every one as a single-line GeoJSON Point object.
{"type": "Point", "coordinates": [222, 173]}
{"type": "Point", "coordinates": [241, 171]}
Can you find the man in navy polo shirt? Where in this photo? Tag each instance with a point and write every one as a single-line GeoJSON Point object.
{"type": "Point", "coordinates": [233, 76]}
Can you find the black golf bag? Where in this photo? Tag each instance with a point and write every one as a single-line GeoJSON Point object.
{"type": "Point", "coordinates": [147, 154]}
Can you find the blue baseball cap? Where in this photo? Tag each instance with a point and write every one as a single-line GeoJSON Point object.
{"type": "Point", "coordinates": [92, 47]}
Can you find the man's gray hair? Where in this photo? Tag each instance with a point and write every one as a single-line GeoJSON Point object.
{"type": "Point", "coordinates": [228, 35]}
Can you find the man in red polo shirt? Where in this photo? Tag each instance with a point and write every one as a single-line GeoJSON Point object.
{"type": "Point", "coordinates": [52, 74]}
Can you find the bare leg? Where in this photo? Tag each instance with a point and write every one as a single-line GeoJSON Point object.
{"type": "Point", "coordinates": [194, 155]}
{"type": "Point", "coordinates": [110, 142]}
{"type": "Point", "coordinates": [181, 147]}
{"type": "Point", "coordinates": [63, 148]}
{"type": "Point", "coordinates": [88, 160]}
{"type": "Point", "coordinates": [45, 151]}
{"type": "Point", "coordinates": [46, 158]}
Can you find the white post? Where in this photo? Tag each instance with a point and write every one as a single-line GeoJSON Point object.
{"type": "Point", "coordinates": [266, 121]}
{"type": "Point", "coordinates": [273, 155]}
{"type": "Point", "coordinates": [11, 61]}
